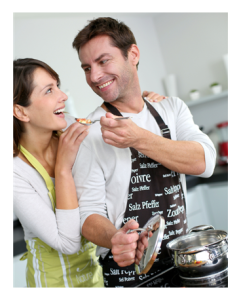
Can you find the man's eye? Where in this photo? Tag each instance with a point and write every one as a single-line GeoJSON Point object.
{"type": "Point", "coordinates": [104, 61]}
{"type": "Point", "coordinates": [87, 69]}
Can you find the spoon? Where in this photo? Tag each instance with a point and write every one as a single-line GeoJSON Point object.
{"type": "Point", "coordinates": [89, 122]}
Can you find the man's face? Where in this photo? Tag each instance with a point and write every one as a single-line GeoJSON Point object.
{"type": "Point", "coordinates": [107, 72]}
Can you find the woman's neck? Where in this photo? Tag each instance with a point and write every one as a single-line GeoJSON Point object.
{"type": "Point", "coordinates": [43, 146]}
{"type": "Point", "coordinates": [37, 143]}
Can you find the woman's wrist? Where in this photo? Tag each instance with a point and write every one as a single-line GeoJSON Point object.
{"type": "Point", "coordinates": [63, 172]}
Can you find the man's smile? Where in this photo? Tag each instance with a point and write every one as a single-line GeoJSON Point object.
{"type": "Point", "coordinates": [105, 84]}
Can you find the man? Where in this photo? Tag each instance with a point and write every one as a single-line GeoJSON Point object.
{"type": "Point", "coordinates": [127, 171]}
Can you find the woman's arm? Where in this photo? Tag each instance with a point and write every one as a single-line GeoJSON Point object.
{"type": "Point", "coordinates": [32, 206]}
{"type": "Point", "coordinates": [69, 142]}
{"type": "Point", "coordinates": [60, 231]}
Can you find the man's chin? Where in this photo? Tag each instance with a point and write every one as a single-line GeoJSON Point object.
{"type": "Point", "coordinates": [108, 99]}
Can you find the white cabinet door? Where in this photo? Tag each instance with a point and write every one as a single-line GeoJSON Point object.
{"type": "Point", "coordinates": [19, 267]}
{"type": "Point", "coordinates": [197, 212]}
{"type": "Point", "coordinates": [217, 203]}
{"type": "Point", "coordinates": [207, 204]}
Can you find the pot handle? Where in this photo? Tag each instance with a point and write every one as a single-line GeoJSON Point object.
{"type": "Point", "coordinates": [200, 228]}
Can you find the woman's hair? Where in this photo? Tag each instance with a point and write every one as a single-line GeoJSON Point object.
{"type": "Point", "coordinates": [121, 35]}
{"type": "Point", "coordinates": [23, 73]}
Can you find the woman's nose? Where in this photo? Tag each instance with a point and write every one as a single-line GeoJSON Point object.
{"type": "Point", "coordinates": [63, 97]}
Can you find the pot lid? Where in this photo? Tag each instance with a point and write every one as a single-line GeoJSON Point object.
{"type": "Point", "coordinates": [156, 225]}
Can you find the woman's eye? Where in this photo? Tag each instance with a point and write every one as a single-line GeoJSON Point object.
{"type": "Point", "coordinates": [49, 90]}
{"type": "Point", "coordinates": [104, 61]}
{"type": "Point", "coordinates": [87, 69]}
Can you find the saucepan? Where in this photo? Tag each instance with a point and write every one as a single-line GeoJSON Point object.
{"type": "Point", "coordinates": [201, 252]}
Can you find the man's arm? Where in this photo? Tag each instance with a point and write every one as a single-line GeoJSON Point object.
{"type": "Point", "coordinates": [102, 232]}
{"type": "Point", "coordinates": [91, 192]}
{"type": "Point", "coordinates": [185, 155]}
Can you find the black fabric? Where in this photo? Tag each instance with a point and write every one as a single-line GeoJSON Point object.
{"type": "Point", "coordinates": [153, 189]}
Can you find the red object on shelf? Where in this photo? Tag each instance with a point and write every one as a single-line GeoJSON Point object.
{"type": "Point", "coordinates": [223, 124]}
{"type": "Point", "coordinates": [223, 144]}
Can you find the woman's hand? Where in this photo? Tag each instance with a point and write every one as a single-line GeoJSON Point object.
{"type": "Point", "coordinates": [153, 97]}
{"type": "Point", "coordinates": [69, 143]}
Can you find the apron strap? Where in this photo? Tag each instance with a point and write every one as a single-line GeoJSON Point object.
{"type": "Point", "coordinates": [164, 128]}
{"type": "Point", "coordinates": [37, 165]}
{"type": "Point", "coordinates": [112, 109]}
{"type": "Point", "coordinates": [116, 112]}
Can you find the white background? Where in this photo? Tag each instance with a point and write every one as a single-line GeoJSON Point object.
{"type": "Point", "coordinates": [7, 54]}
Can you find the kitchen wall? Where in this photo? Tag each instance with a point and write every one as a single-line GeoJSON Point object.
{"type": "Point", "coordinates": [49, 37]}
{"type": "Point", "coordinates": [193, 45]}
{"type": "Point", "coordinates": [190, 45]}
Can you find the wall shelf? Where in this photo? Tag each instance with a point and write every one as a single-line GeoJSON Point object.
{"type": "Point", "coordinates": [207, 98]}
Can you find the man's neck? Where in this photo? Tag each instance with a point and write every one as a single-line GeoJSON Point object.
{"type": "Point", "coordinates": [129, 104]}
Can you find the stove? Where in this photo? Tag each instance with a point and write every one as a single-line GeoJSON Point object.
{"type": "Point", "coordinates": [217, 280]}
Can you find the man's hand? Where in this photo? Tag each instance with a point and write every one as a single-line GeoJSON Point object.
{"type": "Point", "coordinates": [153, 97]}
{"type": "Point", "coordinates": [124, 245]}
{"type": "Point", "coordinates": [142, 245]}
{"type": "Point", "coordinates": [122, 133]}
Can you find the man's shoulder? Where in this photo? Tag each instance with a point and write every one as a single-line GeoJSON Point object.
{"type": "Point", "coordinates": [170, 105]}
{"type": "Point", "coordinates": [96, 114]}
{"type": "Point", "coordinates": [169, 102]}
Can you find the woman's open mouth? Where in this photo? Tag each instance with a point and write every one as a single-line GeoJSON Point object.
{"type": "Point", "coordinates": [59, 112]}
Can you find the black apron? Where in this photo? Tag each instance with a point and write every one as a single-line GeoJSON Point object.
{"type": "Point", "coordinates": [153, 189]}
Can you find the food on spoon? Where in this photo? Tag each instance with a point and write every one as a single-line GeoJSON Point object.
{"type": "Point", "coordinates": [84, 121]}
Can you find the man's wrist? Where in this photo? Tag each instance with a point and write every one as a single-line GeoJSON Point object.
{"type": "Point", "coordinates": [142, 140]}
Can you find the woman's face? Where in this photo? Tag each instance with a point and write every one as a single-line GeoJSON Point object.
{"type": "Point", "coordinates": [47, 103]}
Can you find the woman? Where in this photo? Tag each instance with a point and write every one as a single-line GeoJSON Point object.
{"type": "Point", "coordinates": [45, 199]}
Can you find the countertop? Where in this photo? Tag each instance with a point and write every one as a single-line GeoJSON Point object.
{"type": "Point", "coordinates": [220, 174]}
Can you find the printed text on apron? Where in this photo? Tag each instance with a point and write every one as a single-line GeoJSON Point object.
{"type": "Point", "coordinates": [153, 189]}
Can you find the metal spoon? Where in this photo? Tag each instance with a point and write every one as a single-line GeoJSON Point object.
{"type": "Point", "coordinates": [92, 122]}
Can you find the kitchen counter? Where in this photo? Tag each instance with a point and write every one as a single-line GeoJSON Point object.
{"type": "Point", "coordinates": [220, 174]}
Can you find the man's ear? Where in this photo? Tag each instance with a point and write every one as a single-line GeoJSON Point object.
{"type": "Point", "coordinates": [20, 113]}
{"type": "Point", "coordinates": [134, 54]}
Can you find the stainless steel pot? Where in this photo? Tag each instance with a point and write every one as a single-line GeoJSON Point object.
{"type": "Point", "coordinates": [202, 252]}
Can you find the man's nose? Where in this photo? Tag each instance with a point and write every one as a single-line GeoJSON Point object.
{"type": "Point", "coordinates": [95, 74]}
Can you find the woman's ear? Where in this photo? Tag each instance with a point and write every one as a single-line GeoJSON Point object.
{"type": "Point", "coordinates": [134, 54]}
{"type": "Point", "coordinates": [20, 113]}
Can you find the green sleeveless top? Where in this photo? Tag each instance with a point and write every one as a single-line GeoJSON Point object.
{"type": "Point", "coordinates": [47, 267]}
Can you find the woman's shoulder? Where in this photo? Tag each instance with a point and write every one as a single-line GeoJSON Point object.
{"type": "Point", "coordinates": [23, 171]}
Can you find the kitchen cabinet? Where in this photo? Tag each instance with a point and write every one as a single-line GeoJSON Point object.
{"type": "Point", "coordinates": [207, 204]}
{"type": "Point", "coordinates": [19, 267]}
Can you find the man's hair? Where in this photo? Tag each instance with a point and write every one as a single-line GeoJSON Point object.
{"type": "Point", "coordinates": [120, 34]}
